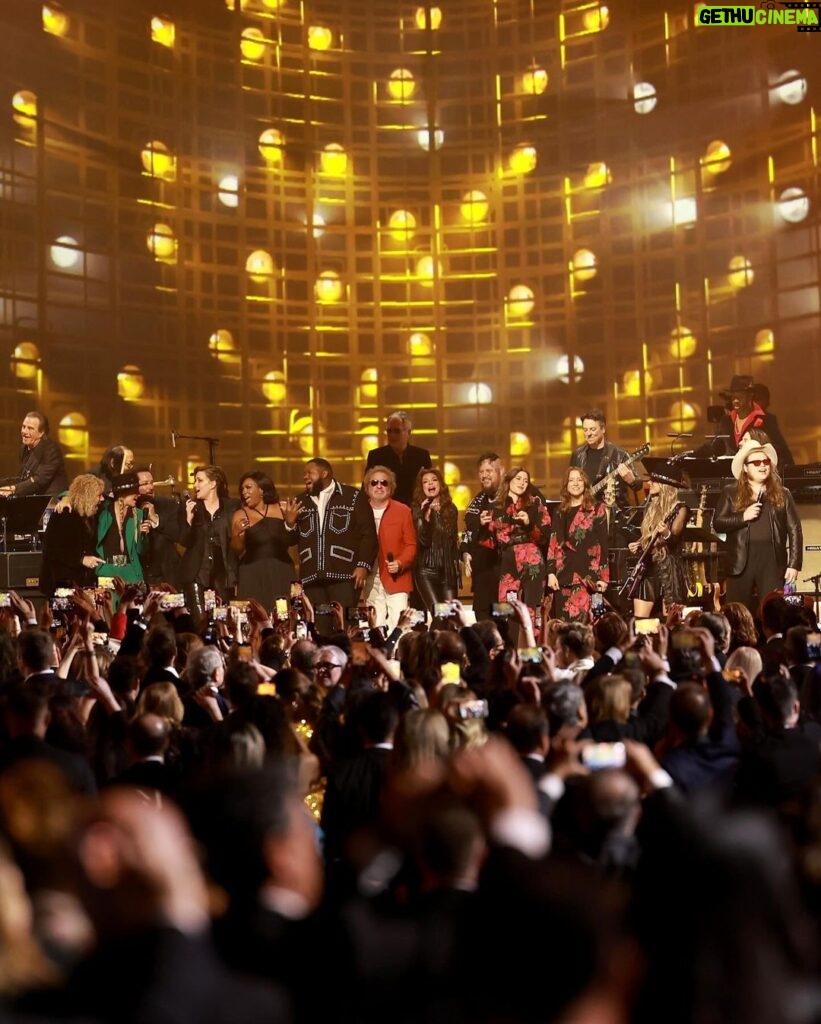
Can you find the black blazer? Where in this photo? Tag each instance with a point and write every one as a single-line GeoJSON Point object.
{"type": "Point", "coordinates": [69, 537]}
{"type": "Point", "coordinates": [193, 539]}
{"type": "Point", "coordinates": [159, 556]}
{"type": "Point", "coordinates": [785, 530]}
{"type": "Point", "coordinates": [42, 470]}
{"type": "Point", "coordinates": [406, 469]}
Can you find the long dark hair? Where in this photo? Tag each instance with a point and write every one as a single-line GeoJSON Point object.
{"type": "Point", "coordinates": [529, 496]}
{"type": "Point", "coordinates": [270, 494]}
{"type": "Point", "coordinates": [587, 495]}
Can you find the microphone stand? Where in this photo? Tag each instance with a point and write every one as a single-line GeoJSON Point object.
{"type": "Point", "coordinates": [211, 441]}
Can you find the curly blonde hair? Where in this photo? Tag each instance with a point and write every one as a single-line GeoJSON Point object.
{"type": "Point", "coordinates": [84, 494]}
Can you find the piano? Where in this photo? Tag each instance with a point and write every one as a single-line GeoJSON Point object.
{"type": "Point", "coordinates": [20, 522]}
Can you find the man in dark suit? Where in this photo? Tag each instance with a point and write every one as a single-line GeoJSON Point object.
{"type": "Point", "coordinates": [161, 533]}
{"type": "Point", "coordinates": [399, 455]}
{"type": "Point", "coordinates": [147, 739]}
{"type": "Point", "coordinates": [42, 470]}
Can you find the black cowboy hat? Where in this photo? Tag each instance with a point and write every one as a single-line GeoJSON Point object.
{"type": "Point", "coordinates": [663, 471]}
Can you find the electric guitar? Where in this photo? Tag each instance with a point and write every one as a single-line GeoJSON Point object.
{"type": "Point", "coordinates": [661, 532]}
{"type": "Point", "coordinates": [609, 479]}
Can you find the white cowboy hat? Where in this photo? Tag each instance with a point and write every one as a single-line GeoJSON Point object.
{"type": "Point", "coordinates": [746, 450]}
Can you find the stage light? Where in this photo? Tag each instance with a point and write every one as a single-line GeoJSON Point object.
{"type": "Point", "coordinates": [271, 142]}
{"type": "Point", "coordinates": [644, 97]}
{"type": "Point", "coordinates": [162, 243]}
{"type": "Point", "coordinates": [479, 394]}
{"type": "Point", "coordinates": [534, 80]}
{"type": "Point", "coordinates": [232, 5]}
{"type": "Point", "coordinates": [793, 205]}
{"type": "Point", "coordinates": [401, 85]}
{"type": "Point", "coordinates": [428, 17]}
{"type": "Point", "coordinates": [334, 160]}
{"type": "Point", "coordinates": [25, 360]}
{"type": "Point", "coordinates": [426, 268]}
{"type": "Point", "coordinates": [317, 225]}
{"type": "Point", "coordinates": [597, 175]}
{"type": "Point", "coordinates": [563, 368]}
{"type": "Point", "coordinates": [764, 342]}
{"type": "Point", "coordinates": [328, 288]}
{"type": "Point", "coordinates": [55, 20]}
{"type": "Point", "coordinates": [631, 382]}
{"type": "Point", "coordinates": [24, 104]}
{"type": "Point", "coordinates": [319, 37]}
{"type": "Point", "coordinates": [273, 5]}
{"type": "Point", "coordinates": [451, 473]}
{"type": "Point", "coordinates": [72, 432]}
{"type": "Point", "coordinates": [683, 343]}
{"type": "Point", "coordinates": [158, 160]}
{"type": "Point", "coordinates": [130, 383]}
{"type": "Point", "coordinates": [519, 444]}
{"type": "Point", "coordinates": [684, 212]}
{"type": "Point", "coordinates": [420, 345]}
{"type": "Point", "coordinates": [520, 302]}
{"type": "Point", "coordinates": [425, 136]}
{"type": "Point", "coordinates": [163, 31]}
{"type": "Point", "coordinates": [791, 87]}
{"type": "Point", "coordinates": [367, 442]}
{"type": "Point", "coordinates": [369, 383]}
{"type": "Point", "coordinates": [684, 416]}
{"type": "Point", "coordinates": [65, 252]}
{"type": "Point", "coordinates": [402, 225]}
{"type": "Point", "coordinates": [584, 266]}
{"type": "Point", "coordinates": [461, 495]}
{"type": "Point", "coordinates": [252, 44]}
{"type": "Point", "coordinates": [596, 19]}
{"type": "Point", "coordinates": [716, 159]}
{"type": "Point", "coordinates": [740, 272]}
{"type": "Point", "coordinates": [474, 207]}
{"type": "Point", "coordinates": [221, 344]}
{"type": "Point", "coordinates": [274, 387]}
{"type": "Point", "coordinates": [228, 193]}
{"type": "Point", "coordinates": [523, 159]}
{"type": "Point", "coordinates": [260, 265]}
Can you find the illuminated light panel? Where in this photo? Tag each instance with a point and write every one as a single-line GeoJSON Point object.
{"type": "Point", "coordinates": [368, 442]}
{"type": "Point", "coordinates": [684, 416]}
{"type": "Point", "coordinates": [451, 473]}
{"type": "Point", "coordinates": [597, 175]}
{"type": "Point", "coordinates": [72, 432]}
{"type": "Point", "coordinates": [402, 225]}
{"type": "Point", "coordinates": [425, 135]}
{"type": "Point", "coordinates": [461, 495]}
{"type": "Point", "coordinates": [319, 37]}
{"type": "Point", "coordinates": [683, 343]}
{"type": "Point", "coordinates": [163, 31]}
{"type": "Point", "coordinates": [740, 272]}
{"type": "Point", "coordinates": [369, 383]}
{"type": "Point", "coordinates": [24, 104]}
{"type": "Point", "coordinates": [228, 193]}
{"type": "Point", "coordinates": [474, 207]}
{"type": "Point", "coordinates": [596, 20]}
{"type": "Point", "coordinates": [519, 444]}
{"type": "Point", "coordinates": [684, 211]}
{"type": "Point", "coordinates": [426, 268]}
{"type": "Point", "coordinates": [631, 382]}
{"type": "Point", "coordinates": [25, 360]}
{"type": "Point", "coordinates": [535, 80]}
{"type": "Point", "coordinates": [563, 368]}
{"type": "Point", "coordinates": [479, 394]}
{"type": "Point", "coordinates": [334, 160]}
{"type": "Point", "coordinates": [65, 252]}
{"type": "Point", "coordinates": [764, 342]}
{"type": "Point", "coordinates": [523, 159]}
{"type": "Point", "coordinates": [273, 5]}
{"type": "Point", "coordinates": [717, 157]}
{"type": "Point", "coordinates": [584, 266]}
{"type": "Point", "coordinates": [793, 205]}
{"type": "Point", "coordinates": [520, 302]}
{"type": "Point", "coordinates": [420, 345]}
{"type": "Point", "coordinates": [252, 44]}
{"type": "Point", "coordinates": [328, 288]}
{"type": "Point", "coordinates": [158, 160]}
{"type": "Point", "coordinates": [260, 265]}
{"type": "Point", "coordinates": [162, 243]}
{"type": "Point", "coordinates": [130, 383]}
{"type": "Point", "coordinates": [428, 18]}
{"type": "Point", "coordinates": [55, 20]}
{"type": "Point", "coordinates": [644, 97]}
{"type": "Point", "coordinates": [791, 88]}
{"type": "Point", "coordinates": [401, 85]}
{"type": "Point", "coordinates": [274, 386]}
{"type": "Point", "coordinates": [221, 344]}
{"type": "Point", "coordinates": [232, 5]}
{"type": "Point", "coordinates": [271, 142]}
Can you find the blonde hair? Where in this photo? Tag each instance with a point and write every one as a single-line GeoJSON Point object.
{"type": "Point", "coordinates": [657, 511]}
{"type": "Point", "coordinates": [389, 475]}
{"type": "Point", "coordinates": [84, 494]}
{"type": "Point", "coordinates": [608, 699]}
{"type": "Point", "coordinates": [161, 699]}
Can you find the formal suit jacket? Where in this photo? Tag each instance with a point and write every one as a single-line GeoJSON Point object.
{"type": "Point", "coordinates": [397, 537]}
{"type": "Point", "coordinates": [785, 531]}
{"type": "Point", "coordinates": [343, 541]}
{"type": "Point", "coordinates": [160, 557]}
{"type": "Point", "coordinates": [406, 468]}
{"type": "Point", "coordinates": [42, 470]}
{"type": "Point", "coordinates": [194, 538]}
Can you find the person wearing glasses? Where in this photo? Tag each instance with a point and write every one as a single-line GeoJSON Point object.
{"type": "Point", "coordinates": [764, 545]}
{"type": "Point", "coordinates": [390, 582]}
{"type": "Point", "coordinates": [404, 458]}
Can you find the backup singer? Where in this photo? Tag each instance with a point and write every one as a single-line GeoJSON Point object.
{"type": "Point", "coordinates": [764, 545]}
{"type": "Point", "coordinates": [577, 553]}
{"type": "Point", "coordinates": [261, 542]}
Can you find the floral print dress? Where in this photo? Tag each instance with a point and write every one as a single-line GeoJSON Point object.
{"type": "Point", "coordinates": [521, 549]}
{"type": "Point", "coordinates": [577, 554]}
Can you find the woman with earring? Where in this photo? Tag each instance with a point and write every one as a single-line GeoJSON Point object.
{"type": "Point", "coordinates": [209, 563]}
{"type": "Point", "coordinates": [119, 538]}
{"type": "Point", "coordinates": [260, 541]}
{"type": "Point", "coordinates": [765, 544]}
{"type": "Point", "coordinates": [435, 518]}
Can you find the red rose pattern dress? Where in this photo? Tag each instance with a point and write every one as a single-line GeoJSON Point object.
{"type": "Point", "coordinates": [577, 554]}
{"type": "Point", "coordinates": [521, 549]}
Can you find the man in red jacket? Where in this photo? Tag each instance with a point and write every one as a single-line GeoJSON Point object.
{"type": "Point", "coordinates": [390, 583]}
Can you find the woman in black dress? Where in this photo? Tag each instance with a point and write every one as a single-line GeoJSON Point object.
{"type": "Point", "coordinates": [435, 517]}
{"type": "Point", "coordinates": [261, 542]}
{"type": "Point", "coordinates": [70, 543]}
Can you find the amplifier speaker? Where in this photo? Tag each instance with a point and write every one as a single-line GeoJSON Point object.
{"type": "Point", "coordinates": [810, 515]}
{"type": "Point", "coordinates": [20, 570]}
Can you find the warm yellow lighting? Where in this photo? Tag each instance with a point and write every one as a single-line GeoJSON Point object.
{"type": "Point", "coordinates": [252, 44]}
{"type": "Point", "coordinates": [55, 20]}
{"type": "Point", "coordinates": [221, 344]}
{"type": "Point", "coordinates": [764, 342]}
{"type": "Point", "coordinates": [232, 4]}
{"type": "Point", "coordinates": [130, 383]}
{"type": "Point", "coordinates": [793, 205]}
{"type": "Point", "coordinates": [273, 5]}
{"type": "Point", "coordinates": [683, 343]}
{"type": "Point", "coordinates": [585, 265]}
{"type": "Point", "coordinates": [596, 20]}
{"type": "Point", "coordinates": [474, 207]}
{"type": "Point", "coordinates": [328, 288]}
{"type": "Point", "coordinates": [317, 225]}
{"type": "Point", "coordinates": [480, 394]}
{"type": "Point", "coordinates": [597, 175]}
{"type": "Point", "coordinates": [25, 360]}
{"type": "Point", "coordinates": [162, 243]}
{"type": "Point", "coordinates": [563, 368]}
{"type": "Point", "coordinates": [461, 496]}
{"type": "Point", "coordinates": [631, 382]}
{"type": "Point", "coordinates": [791, 88]}
{"type": "Point", "coordinates": [401, 85]}
{"type": "Point", "coordinates": [158, 160]}
{"type": "Point", "coordinates": [367, 442]}
{"type": "Point", "coordinates": [644, 97]}
{"type": "Point", "coordinates": [334, 160]}
{"type": "Point", "coordinates": [65, 252]}
{"type": "Point", "coordinates": [260, 265]}
{"type": "Point", "coordinates": [451, 473]}
{"type": "Point", "coordinates": [426, 268]}
{"type": "Point", "coordinates": [716, 159]}
{"type": "Point", "coordinates": [24, 104]}
{"type": "Point", "coordinates": [228, 193]}
{"type": "Point", "coordinates": [274, 387]}
{"type": "Point", "coordinates": [163, 31]}
{"type": "Point", "coordinates": [683, 416]}
{"type": "Point", "coordinates": [740, 272]}
{"type": "Point", "coordinates": [369, 383]}
{"type": "Point", "coordinates": [425, 137]}
{"type": "Point", "coordinates": [534, 80]}
{"type": "Point", "coordinates": [684, 211]}
{"type": "Point", "coordinates": [72, 431]}
{"type": "Point", "coordinates": [319, 37]}
{"type": "Point", "coordinates": [420, 345]}
{"type": "Point", "coordinates": [271, 142]}
{"type": "Point", "coordinates": [569, 431]}
{"type": "Point", "coordinates": [520, 302]}
{"type": "Point", "coordinates": [519, 444]}
{"type": "Point", "coordinates": [523, 159]}
{"type": "Point", "coordinates": [423, 21]}
{"type": "Point", "coordinates": [402, 224]}
{"type": "Point", "coordinates": [305, 439]}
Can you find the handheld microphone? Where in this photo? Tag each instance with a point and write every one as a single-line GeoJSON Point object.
{"type": "Point", "coordinates": [389, 558]}
{"type": "Point", "coordinates": [762, 494]}
{"type": "Point", "coordinates": [173, 438]}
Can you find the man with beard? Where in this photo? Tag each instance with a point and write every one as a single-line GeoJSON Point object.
{"type": "Point", "coordinates": [480, 562]}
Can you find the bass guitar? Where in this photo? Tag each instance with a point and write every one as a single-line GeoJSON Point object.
{"type": "Point", "coordinates": [608, 481]}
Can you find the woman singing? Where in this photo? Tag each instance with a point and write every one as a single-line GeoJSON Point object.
{"type": "Point", "coordinates": [577, 553]}
{"type": "Point", "coordinates": [435, 518]}
{"type": "Point", "coordinates": [208, 562]}
{"type": "Point", "coordinates": [664, 582]}
{"type": "Point", "coordinates": [119, 537]}
{"type": "Point", "coordinates": [260, 540]}
{"type": "Point", "coordinates": [764, 539]}
{"type": "Point", "coordinates": [520, 529]}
